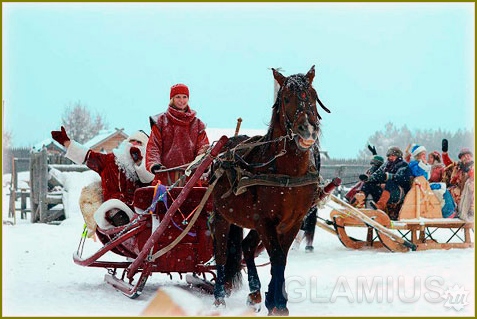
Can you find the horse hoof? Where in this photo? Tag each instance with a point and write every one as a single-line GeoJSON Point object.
{"type": "Point", "coordinates": [219, 303]}
{"type": "Point", "coordinates": [254, 300]}
{"type": "Point", "coordinates": [228, 288]}
{"type": "Point", "coordinates": [279, 312]}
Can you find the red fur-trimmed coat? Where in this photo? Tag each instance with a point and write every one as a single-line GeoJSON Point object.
{"type": "Point", "coordinates": [114, 182]}
{"type": "Point", "coordinates": [176, 139]}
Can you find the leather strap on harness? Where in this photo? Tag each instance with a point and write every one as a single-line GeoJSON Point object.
{"type": "Point", "coordinates": [277, 181]}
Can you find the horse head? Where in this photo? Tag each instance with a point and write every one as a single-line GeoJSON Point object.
{"type": "Point", "coordinates": [296, 107]}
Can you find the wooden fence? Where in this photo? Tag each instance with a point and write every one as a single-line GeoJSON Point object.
{"type": "Point", "coordinates": [9, 154]}
{"type": "Point", "coordinates": [43, 196]}
{"type": "Point", "coordinates": [347, 172]}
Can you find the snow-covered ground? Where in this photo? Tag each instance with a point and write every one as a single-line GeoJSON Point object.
{"type": "Point", "coordinates": [40, 278]}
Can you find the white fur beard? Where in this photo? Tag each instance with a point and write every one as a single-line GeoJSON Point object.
{"type": "Point", "coordinates": [125, 161]}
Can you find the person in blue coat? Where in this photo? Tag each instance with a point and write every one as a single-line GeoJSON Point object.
{"type": "Point", "coordinates": [418, 165]}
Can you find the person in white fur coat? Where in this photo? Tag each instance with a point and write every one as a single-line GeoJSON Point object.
{"type": "Point", "coordinates": [121, 172]}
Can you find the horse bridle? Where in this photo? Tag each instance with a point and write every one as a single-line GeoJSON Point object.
{"type": "Point", "coordinates": [304, 104]}
{"type": "Point", "coordinates": [302, 107]}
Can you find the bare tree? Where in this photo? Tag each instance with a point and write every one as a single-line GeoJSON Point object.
{"type": "Point", "coordinates": [80, 124]}
{"type": "Point", "coordinates": [7, 139]}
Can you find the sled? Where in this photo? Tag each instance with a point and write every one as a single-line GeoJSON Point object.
{"type": "Point", "coordinates": [419, 226]}
{"type": "Point", "coordinates": [172, 238]}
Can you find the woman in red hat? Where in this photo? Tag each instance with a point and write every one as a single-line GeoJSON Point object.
{"type": "Point", "coordinates": [177, 137]}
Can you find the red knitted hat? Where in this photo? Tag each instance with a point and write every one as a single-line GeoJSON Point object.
{"type": "Point", "coordinates": [179, 89]}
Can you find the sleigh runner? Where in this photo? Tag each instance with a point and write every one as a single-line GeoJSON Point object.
{"type": "Point", "coordinates": [419, 226]}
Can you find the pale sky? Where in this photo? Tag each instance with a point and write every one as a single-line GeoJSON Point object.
{"type": "Point", "coordinates": [375, 63]}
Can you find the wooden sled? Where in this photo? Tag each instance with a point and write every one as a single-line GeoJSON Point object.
{"type": "Point", "coordinates": [342, 219]}
{"type": "Point", "coordinates": [420, 225]}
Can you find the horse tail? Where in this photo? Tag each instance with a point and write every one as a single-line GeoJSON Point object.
{"type": "Point", "coordinates": [233, 265]}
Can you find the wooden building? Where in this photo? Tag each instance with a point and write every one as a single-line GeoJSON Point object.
{"type": "Point", "coordinates": [52, 146]}
{"type": "Point", "coordinates": [106, 140]}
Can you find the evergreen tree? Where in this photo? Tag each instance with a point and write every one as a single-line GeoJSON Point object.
{"type": "Point", "coordinates": [431, 139]}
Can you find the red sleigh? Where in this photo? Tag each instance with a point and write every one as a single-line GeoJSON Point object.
{"type": "Point", "coordinates": [166, 239]}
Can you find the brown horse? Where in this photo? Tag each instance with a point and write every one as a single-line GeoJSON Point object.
{"type": "Point", "coordinates": [267, 185]}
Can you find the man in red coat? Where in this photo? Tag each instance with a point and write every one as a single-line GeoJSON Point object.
{"type": "Point", "coordinates": [121, 171]}
{"type": "Point", "coordinates": [177, 136]}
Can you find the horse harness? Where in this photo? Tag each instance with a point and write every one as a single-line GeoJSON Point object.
{"type": "Point", "coordinates": [237, 170]}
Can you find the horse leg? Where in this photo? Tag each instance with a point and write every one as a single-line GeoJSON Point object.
{"type": "Point", "coordinates": [221, 231]}
{"type": "Point", "coordinates": [233, 264]}
{"type": "Point", "coordinates": [249, 246]}
{"type": "Point", "coordinates": [280, 296]}
{"type": "Point", "coordinates": [275, 298]}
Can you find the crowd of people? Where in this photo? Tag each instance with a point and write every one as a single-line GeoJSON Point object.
{"type": "Point", "coordinates": [386, 183]}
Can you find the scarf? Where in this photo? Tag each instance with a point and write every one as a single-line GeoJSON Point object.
{"type": "Point", "coordinates": [179, 117]}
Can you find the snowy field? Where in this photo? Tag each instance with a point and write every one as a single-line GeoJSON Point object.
{"type": "Point", "coordinates": [40, 278]}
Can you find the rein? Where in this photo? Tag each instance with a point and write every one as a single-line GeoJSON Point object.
{"type": "Point", "coordinates": [241, 159]}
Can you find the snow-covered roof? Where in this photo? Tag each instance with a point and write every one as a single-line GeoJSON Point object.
{"type": "Point", "coordinates": [102, 136]}
{"type": "Point", "coordinates": [38, 146]}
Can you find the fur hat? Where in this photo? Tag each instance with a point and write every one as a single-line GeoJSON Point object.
{"type": "Point", "coordinates": [377, 160]}
{"type": "Point", "coordinates": [417, 149]}
{"type": "Point", "coordinates": [394, 150]}
{"type": "Point", "coordinates": [139, 136]}
{"type": "Point", "coordinates": [464, 151]}
{"type": "Point", "coordinates": [179, 89]}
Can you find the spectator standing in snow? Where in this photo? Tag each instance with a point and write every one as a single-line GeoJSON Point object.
{"type": "Point", "coordinates": [122, 171]}
{"type": "Point", "coordinates": [307, 228]}
{"type": "Point", "coordinates": [177, 137]}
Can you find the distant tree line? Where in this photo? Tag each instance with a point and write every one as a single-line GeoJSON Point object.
{"type": "Point", "coordinates": [430, 139]}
